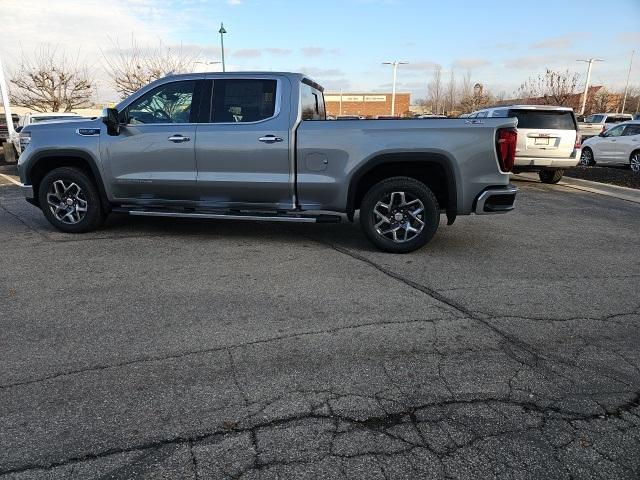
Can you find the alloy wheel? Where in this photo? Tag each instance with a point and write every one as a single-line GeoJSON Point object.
{"type": "Point", "coordinates": [399, 216]}
{"type": "Point", "coordinates": [67, 202]}
{"type": "Point", "coordinates": [586, 158]}
{"type": "Point", "coordinates": [634, 163]}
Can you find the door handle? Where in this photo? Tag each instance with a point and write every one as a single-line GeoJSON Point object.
{"type": "Point", "coordinates": [178, 139]}
{"type": "Point", "coordinates": [270, 139]}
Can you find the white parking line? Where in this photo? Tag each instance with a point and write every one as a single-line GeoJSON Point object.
{"type": "Point", "coordinates": [11, 179]}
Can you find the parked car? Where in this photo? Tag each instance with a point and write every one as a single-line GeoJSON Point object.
{"type": "Point", "coordinates": [4, 129]}
{"type": "Point", "coordinates": [548, 139]}
{"type": "Point", "coordinates": [255, 146]}
{"type": "Point", "coordinates": [597, 123]}
{"type": "Point", "coordinates": [37, 117]}
{"type": "Point", "coordinates": [619, 145]}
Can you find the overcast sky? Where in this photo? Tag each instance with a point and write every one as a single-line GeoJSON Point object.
{"type": "Point", "coordinates": [342, 43]}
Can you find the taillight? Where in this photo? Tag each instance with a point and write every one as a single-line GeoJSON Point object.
{"type": "Point", "coordinates": [506, 140]}
{"type": "Point", "coordinates": [578, 144]}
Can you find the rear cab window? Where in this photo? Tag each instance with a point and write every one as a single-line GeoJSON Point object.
{"type": "Point", "coordinates": [544, 119]}
{"type": "Point", "coordinates": [311, 102]}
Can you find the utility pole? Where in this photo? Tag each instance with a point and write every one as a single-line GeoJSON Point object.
{"type": "Point", "coordinates": [7, 114]}
{"type": "Point", "coordinates": [586, 85]}
{"type": "Point", "coordinates": [395, 64]}
{"type": "Point", "coordinates": [222, 31]}
{"type": "Point", "coordinates": [626, 88]}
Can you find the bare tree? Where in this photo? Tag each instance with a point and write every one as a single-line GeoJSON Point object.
{"type": "Point", "coordinates": [135, 66]}
{"type": "Point", "coordinates": [435, 90]}
{"type": "Point", "coordinates": [51, 81]}
{"type": "Point", "coordinates": [550, 88]}
{"type": "Point", "coordinates": [451, 92]}
{"type": "Point", "coordinates": [477, 99]}
{"type": "Point", "coordinates": [466, 88]}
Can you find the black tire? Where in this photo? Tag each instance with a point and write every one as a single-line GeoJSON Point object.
{"type": "Point", "coordinates": [88, 220]}
{"type": "Point", "coordinates": [586, 158]}
{"type": "Point", "coordinates": [411, 189]}
{"type": "Point", "coordinates": [550, 176]}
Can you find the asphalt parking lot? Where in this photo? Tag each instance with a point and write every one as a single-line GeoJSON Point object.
{"type": "Point", "coordinates": [507, 348]}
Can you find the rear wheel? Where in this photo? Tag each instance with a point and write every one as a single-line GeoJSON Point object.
{"type": "Point", "coordinates": [70, 201]}
{"type": "Point", "coordinates": [634, 162]}
{"type": "Point", "coordinates": [550, 176]}
{"type": "Point", "coordinates": [586, 158]}
{"type": "Point", "coordinates": [399, 215]}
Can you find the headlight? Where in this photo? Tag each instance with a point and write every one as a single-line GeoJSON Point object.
{"type": "Point", "coordinates": [25, 139]}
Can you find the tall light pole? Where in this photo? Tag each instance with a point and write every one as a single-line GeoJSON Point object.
{"type": "Point", "coordinates": [4, 93]}
{"type": "Point", "coordinates": [395, 64]}
{"type": "Point", "coordinates": [626, 88]}
{"type": "Point", "coordinates": [586, 85]}
{"type": "Point", "coordinates": [222, 31]}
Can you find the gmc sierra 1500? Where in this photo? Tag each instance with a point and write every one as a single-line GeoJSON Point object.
{"type": "Point", "coordinates": [257, 146]}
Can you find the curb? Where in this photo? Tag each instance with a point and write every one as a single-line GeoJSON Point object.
{"type": "Point", "coordinates": [622, 193]}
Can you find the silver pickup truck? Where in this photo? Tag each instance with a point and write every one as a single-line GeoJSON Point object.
{"type": "Point", "coordinates": [257, 146]}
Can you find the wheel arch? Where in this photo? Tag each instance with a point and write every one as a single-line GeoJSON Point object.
{"type": "Point", "coordinates": [433, 169]}
{"type": "Point", "coordinates": [46, 161]}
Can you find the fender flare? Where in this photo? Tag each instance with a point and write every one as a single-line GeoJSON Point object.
{"type": "Point", "coordinates": [82, 155]}
{"type": "Point", "coordinates": [406, 157]}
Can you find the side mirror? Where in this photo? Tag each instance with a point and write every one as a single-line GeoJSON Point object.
{"type": "Point", "coordinates": [19, 129]}
{"type": "Point", "coordinates": [110, 119]}
{"type": "Point", "coordinates": [601, 134]}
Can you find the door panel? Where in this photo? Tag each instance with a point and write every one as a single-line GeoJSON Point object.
{"type": "Point", "coordinates": [238, 162]}
{"type": "Point", "coordinates": [627, 143]}
{"type": "Point", "coordinates": [144, 164]}
{"type": "Point", "coordinates": [153, 158]}
{"type": "Point", "coordinates": [609, 144]}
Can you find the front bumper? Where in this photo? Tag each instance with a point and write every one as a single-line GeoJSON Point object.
{"type": "Point", "coordinates": [496, 200]}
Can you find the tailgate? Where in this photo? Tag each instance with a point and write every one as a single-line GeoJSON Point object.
{"type": "Point", "coordinates": [545, 133]}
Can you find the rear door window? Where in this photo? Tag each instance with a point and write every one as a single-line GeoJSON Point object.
{"type": "Point", "coordinates": [540, 119]}
{"type": "Point", "coordinates": [312, 103]}
{"type": "Point", "coordinates": [243, 100]}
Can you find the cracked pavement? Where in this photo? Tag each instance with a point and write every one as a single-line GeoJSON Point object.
{"type": "Point", "coordinates": [507, 348]}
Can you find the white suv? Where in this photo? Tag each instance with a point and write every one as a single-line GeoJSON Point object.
{"type": "Point", "coordinates": [548, 138]}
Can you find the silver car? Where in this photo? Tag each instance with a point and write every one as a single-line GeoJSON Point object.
{"type": "Point", "coordinates": [548, 138]}
{"type": "Point", "coordinates": [619, 145]}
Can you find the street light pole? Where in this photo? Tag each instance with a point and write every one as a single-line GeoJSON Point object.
{"type": "Point", "coordinates": [222, 31]}
{"type": "Point", "coordinates": [626, 88]}
{"type": "Point", "coordinates": [394, 64]}
{"type": "Point", "coordinates": [586, 85]}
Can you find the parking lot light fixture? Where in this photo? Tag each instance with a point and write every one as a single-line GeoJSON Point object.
{"type": "Point", "coordinates": [395, 64]}
{"type": "Point", "coordinates": [222, 31]}
{"type": "Point", "coordinates": [590, 61]}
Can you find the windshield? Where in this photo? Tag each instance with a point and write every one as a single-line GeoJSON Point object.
{"type": "Point", "coordinates": [554, 120]}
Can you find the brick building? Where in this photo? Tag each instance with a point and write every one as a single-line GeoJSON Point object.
{"type": "Point", "coordinates": [366, 104]}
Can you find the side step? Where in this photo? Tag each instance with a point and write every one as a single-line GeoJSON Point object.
{"type": "Point", "coordinates": [236, 215]}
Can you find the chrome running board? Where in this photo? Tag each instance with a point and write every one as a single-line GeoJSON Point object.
{"type": "Point", "coordinates": [253, 216]}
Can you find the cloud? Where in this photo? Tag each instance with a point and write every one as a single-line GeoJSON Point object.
{"type": "Point", "coordinates": [278, 51]}
{"type": "Point", "coordinates": [527, 62]}
{"type": "Point", "coordinates": [420, 66]}
{"type": "Point", "coordinates": [628, 38]}
{"type": "Point", "coordinates": [318, 51]}
{"type": "Point", "coordinates": [470, 63]}
{"type": "Point", "coordinates": [247, 53]}
{"type": "Point", "coordinates": [234, 3]}
{"type": "Point", "coordinates": [320, 72]}
{"type": "Point", "coordinates": [560, 42]}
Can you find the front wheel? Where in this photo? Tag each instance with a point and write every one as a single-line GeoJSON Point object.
{"type": "Point", "coordinates": [550, 176]}
{"type": "Point", "coordinates": [70, 200]}
{"type": "Point", "coordinates": [399, 215]}
{"type": "Point", "coordinates": [586, 158]}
